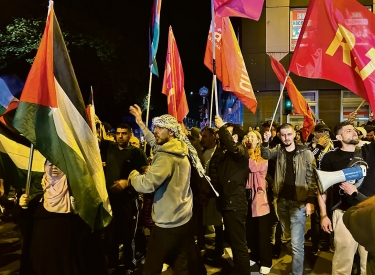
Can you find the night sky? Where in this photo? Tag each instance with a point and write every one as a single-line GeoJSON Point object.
{"type": "Point", "coordinates": [128, 22]}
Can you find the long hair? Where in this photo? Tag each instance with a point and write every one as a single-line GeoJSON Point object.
{"type": "Point", "coordinates": [255, 154]}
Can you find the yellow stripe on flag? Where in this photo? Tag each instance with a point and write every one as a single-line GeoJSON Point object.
{"type": "Point", "coordinates": [20, 155]}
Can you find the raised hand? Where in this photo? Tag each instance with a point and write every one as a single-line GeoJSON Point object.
{"type": "Point", "coordinates": [136, 111]}
{"type": "Point", "coordinates": [267, 136]}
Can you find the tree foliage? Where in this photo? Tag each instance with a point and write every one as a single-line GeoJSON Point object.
{"type": "Point", "coordinates": [21, 40]}
{"type": "Point", "coordinates": [103, 56]}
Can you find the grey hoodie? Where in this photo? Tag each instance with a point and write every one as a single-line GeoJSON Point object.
{"type": "Point", "coordinates": [169, 178]}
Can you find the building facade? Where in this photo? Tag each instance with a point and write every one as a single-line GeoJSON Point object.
{"type": "Point", "coordinates": [275, 33]}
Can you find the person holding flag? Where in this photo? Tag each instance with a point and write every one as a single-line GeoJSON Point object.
{"type": "Point", "coordinates": [294, 188]}
{"type": "Point", "coordinates": [56, 240]}
{"type": "Point", "coordinates": [233, 172]}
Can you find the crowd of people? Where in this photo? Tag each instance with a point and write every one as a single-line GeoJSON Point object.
{"type": "Point", "coordinates": [256, 188]}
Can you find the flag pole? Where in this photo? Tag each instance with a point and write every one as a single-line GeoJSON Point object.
{"type": "Point", "coordinates": [212, 101]}
{"type": "Point", "coordinates": [148, 103]}
{"type": "Point", "coordinates": [360, 105]}
{"type": "Point", "coordinates": [50, 3]}
{"type": "Point", "coordinates": [278, 102]}
{"type": "Point", "coordinates": [28, 178]}
{"type": "Point", "coordinates": [313, 114]}
{"type": "Point", "coordinates": [214, 81]}
{"type": "Point", "coordinates": [92, 97]}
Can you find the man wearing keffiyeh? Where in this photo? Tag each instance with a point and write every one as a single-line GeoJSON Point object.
{"type": "Point", "coordinates": [172, 238]}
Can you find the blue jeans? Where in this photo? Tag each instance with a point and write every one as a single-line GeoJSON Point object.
{"type": "Point", "coordinates": [292, 215]}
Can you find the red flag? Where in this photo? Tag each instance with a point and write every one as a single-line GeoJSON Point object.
{"type": "Point", "coordinates": [230, 66]}
{"type": "Point", "coordinates": [337, 43]}
{"type": "Point", "coordinates": [299, 102]}
{"type": "Point", "coordinates": [239, 8]}
{"type": "Point", "coordinates": [173, 83]}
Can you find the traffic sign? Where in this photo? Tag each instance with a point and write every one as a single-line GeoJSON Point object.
{"type": "Point", "coordinates": [203, 91]}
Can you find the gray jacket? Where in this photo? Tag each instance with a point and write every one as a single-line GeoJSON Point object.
{"type": "Point", "coordinates": [169, 178]}
{"type": "Point", "coordinates": [303, 166]}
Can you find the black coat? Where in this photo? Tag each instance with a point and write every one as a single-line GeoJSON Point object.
{"type": "Point", "coordinates": [213, 170]}
{"type": "Point", "coordinates": [233, 172]}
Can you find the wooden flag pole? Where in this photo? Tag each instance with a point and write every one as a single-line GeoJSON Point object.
{"type": "Point", "coordinates": [28, 178]}
{"type": "Point", "coordinates": [313, 114]}
{"type": "Point", "coordinates": [148, 103]}
{"type": "Point", "coordinates": [214, 56]}
{"type": "Point", "coordinates": [360, 105]}
{"type": "Point", "coordinates": [278, 102]}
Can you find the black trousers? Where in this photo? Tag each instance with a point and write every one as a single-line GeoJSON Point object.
{"type": "Point", "coordinates": [219, 238]}
{"type": "Point", "coordinates": [258, 231]}
{"type": "Point", "coordinates": [198, 223]}
{"type": "Point", "coordinates": [121, 231]}
{"type": "Point", "coordinates": [176, 247]}
{"type": "Point", "coordinates": [235, 225]}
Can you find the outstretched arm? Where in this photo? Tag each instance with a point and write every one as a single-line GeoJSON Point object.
{"type": "Point", "coordinates": [136, 111]}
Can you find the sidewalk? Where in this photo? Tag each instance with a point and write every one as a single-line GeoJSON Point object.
{"type": "Point", "coordinates": [320, 264]}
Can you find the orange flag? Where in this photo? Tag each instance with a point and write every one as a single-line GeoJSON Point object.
{"type": "Point", "coordinates": [230, 66]}
{"type": "Point", "coordinates": [299, 102]}
{"type": "Point", "coordinates": [173, 83]}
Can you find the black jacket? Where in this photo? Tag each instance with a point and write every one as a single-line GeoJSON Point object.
{"type": "Point", "coordinates": [213, 168]}
{"type": "Point", "coordinates": [233, 172]}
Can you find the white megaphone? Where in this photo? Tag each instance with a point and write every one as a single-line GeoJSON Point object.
{"type": "Point", "coordinates": [327, 179]}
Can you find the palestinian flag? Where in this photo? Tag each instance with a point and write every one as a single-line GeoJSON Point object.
{"type": "Point", "coordinates": [51, 114]}
{"type": "Point", "coordinates": [14, 161]}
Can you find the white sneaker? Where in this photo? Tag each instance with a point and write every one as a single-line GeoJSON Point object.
{"type": "Point", "coordinates": [252, 263]}
{"type": "Point", "coordinates": [264, 270]}
{"type": "Point", "coordinates": [165, 267]}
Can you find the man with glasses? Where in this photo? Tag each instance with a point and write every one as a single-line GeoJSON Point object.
{"type": "Point", "coordinates": [121, 159]}
{"type": "Point", "coordinates": [340, 197]}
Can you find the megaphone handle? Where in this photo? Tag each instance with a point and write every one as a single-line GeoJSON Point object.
{"type": "Point", "coordinates": [337, 205]}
